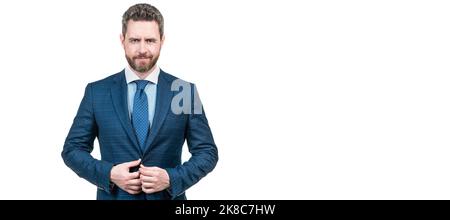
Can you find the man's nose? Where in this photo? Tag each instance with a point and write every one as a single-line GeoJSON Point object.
{"type": "Point", "coordinates": [142, 47]}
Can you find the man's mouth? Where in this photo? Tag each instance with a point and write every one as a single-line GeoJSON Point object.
{"type": "Point", "coordinates": [142, 58]}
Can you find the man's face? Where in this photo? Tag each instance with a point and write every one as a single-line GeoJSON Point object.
{"type": "Point", "coordinates": [142, 44]}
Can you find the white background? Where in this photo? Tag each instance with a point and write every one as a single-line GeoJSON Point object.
{"type": "Point", "coordinates": [306, 99]}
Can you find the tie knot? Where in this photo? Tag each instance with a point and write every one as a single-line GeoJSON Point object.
{"type": "Point", "coordinates": [141, 84]}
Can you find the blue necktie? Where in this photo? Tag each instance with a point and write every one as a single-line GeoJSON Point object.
{"type": "Point", "coordinates": [140, 120]}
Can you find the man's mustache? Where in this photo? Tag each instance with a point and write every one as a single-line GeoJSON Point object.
{"type": "Point", "coordinates": [143, 57]}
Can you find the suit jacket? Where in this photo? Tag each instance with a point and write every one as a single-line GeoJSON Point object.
{"type": "Point", "coordinates": [103, 114]}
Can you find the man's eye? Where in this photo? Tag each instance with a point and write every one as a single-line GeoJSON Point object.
{"type": "Point", "coordinates": [133, 40]}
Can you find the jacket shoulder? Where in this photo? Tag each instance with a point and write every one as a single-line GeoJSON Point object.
{"type": "Point", "coordinates": [171, 78]}
{"type": "Point", "coordinates": [108, 81]}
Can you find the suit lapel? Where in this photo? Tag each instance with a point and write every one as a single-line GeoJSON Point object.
{"type": "Point", "coordinates": [163, 100]}
{"type": "Point", "coordinates": [119, 93]}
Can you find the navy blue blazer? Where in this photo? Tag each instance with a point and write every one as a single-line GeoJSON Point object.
{"type": "Point", "coordinates": [103, 114]}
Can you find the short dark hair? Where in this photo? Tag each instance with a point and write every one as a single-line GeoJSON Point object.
{"type": "Point", "coordinates": [143, 12]}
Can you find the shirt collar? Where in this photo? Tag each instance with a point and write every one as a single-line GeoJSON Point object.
{"type": "Point", "coordinates": [130, 76]}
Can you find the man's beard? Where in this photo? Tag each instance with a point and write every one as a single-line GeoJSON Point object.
{"type": "Point", "coordinates": [145, 68]}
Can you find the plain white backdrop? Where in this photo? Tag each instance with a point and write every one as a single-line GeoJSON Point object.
{"type": "Point", "coordinates": [306, 99]}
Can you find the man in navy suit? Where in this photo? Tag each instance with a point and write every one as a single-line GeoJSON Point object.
{"type": "Point", "coordinates": [139, 122]}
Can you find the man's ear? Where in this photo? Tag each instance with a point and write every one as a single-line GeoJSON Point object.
{"type": "Point", "coordinates": [122, 40]}
{"type": "Point", "coordinates": [162, 39]}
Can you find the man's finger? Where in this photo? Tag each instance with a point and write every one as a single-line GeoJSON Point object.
{"type": "Point", "coordinates": [134, 175]}
{"type": "Point", "coordinates": [132, 163]}
{"type": "Point", "coordinates": [155, 169]}
{"type": "Point", "coordinates": [134, 192]}
{"type": "Point", "coordinates": [148, 185]}
{"type": "Point", "coordinates": [147, 172]}
{"type": "Point", "coordinates": [134, 188]}
{"type": "Point", "coordinates": [134, 182]}
{"type": "Point", "coordinates": [148, 179]}
{"type": "Point", "coordinates": [148, 191]}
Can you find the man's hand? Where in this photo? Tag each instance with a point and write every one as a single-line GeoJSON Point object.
{"type": "Point", "coordinates": [121, 176]}
{"type": "Point", "coordinates": [154, 179]}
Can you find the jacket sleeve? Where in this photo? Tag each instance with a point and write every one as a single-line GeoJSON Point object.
{"type": "Point", "coordinates": [80, 143]}
{"type": "Point", "coordinates": [202, 148]}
